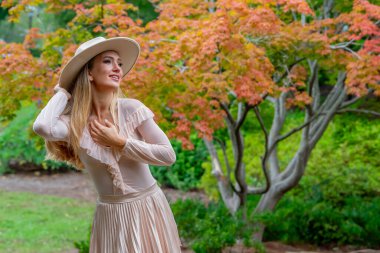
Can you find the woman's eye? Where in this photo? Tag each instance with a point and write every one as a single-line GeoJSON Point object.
{"type": "Point", "coordinates": [106, 61]}
{"type": "Point", "coordinates": [120, 64]}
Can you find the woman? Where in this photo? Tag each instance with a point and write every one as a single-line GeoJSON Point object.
{"type": "Point", "coordinates": [89, 124]}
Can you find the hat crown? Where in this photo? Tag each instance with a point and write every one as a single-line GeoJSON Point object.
{"type": "Point", "coordinates": [88, 44]}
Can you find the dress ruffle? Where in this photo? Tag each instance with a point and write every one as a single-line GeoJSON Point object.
{"type": "Point", "coordinates": [137, 117]}
{"type": "Point", "coordinates": [110, 156]}
{"type": "Point", "coordinates": [104, 154]}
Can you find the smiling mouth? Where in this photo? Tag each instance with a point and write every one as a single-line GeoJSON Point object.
{"type": "Point", "coordinates": [115, 78]}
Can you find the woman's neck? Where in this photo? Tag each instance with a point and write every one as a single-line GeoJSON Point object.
{"type": "Point", "coordinates": [101, 103]}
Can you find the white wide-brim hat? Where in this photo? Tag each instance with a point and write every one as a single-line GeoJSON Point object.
{"type": "Point", "coordinates": [127, 48]}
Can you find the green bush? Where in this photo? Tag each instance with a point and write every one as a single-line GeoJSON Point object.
{"type": "Point", "coordinates": [362, 219]}
{"type": "Point", "coordinates": [208, 229]}
{"type": "Point", "coordinates": [344, 162]}
{"type": "Point", "coordinates": [19, 142]}
{"type": "Point", "coordinates": [186, 172]}
{"type": "Point", "coordinates": [355, 222]}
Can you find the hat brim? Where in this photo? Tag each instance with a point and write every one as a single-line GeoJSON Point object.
{"type": "Point", "coordinates": [127, 48]}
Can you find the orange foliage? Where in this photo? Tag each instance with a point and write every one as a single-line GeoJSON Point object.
{"type": "Point", "coordinates": [22, 76]}
{"type": "Point", "coordinates": [300, 6]}
{"type": "Point", "coordinates": [31, 37]}
{"type": "Point", "coordinates": [198, 54]}
{"type": "Point", "coordinates": [363, 74]}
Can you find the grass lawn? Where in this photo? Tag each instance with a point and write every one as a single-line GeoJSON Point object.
{"type": "Point", "coordinates": [40, 223]}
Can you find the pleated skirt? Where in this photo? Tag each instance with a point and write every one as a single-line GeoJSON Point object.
{"type": "Point", "coordinates": [140, 222]}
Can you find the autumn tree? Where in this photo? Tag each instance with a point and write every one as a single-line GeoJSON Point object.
{"type": "Point", "coordinates": [202, 60]}
{"type": "Point", "coordinates": [21, 75]}
{"type": "Point", "coordinates": [218, 56]}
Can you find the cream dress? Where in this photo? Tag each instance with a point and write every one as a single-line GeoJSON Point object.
{"type": "Point", "coordinates": [132, 214]}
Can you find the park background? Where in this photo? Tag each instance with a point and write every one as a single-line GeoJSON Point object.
{"type": "Point", "coordinates": [271, 106]}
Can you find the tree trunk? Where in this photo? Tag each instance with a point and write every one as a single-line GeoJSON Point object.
{"type": "Point", "coordinates": [268, 202]}
{"type": "Point", "coordinates": [230, 198]}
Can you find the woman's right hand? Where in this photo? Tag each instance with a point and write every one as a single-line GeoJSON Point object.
{"type": "Point", "coordinates": [59, 88]}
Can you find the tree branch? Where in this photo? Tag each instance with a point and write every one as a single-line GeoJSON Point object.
{"type": "Point", "coordinates": [349, 102]}
{"type": "Point", "coordinates": [229, 116]}
{"type": "Point", "coordinates": [319, 129]}
{"type": "Point", "coordinates": [223, 147]}
{"type": "Point", "coordinates": [332, 97]}
{"type": "Point", "coordinates": [243, 117]}
{"type": "Point", "coordinates": [327, 7]}
{"type": "Point", "coordinates": [257, 190]}
{"type": "Point", "coordinates": [264, 158]}
{"type": "Point", "coordinates": [345, 48]}
{"type": "Point", "coordinates": [239, 173]}
{"type": "Point", "coordinates": [314, 90]}
{"type": "Point", "coordinates": [260, 119]}
{"type": "Point", "coordinates": [288, 68]}
{"type": "Point", "coordinates": [296, 129]}
{"type": "Point", "coordinates": [374, 113]}
{"type": "Point", "coordinates": [354, 100]}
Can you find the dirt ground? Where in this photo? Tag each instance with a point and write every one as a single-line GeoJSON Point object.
{"type": "Point", "coordinates": [72, 185]}
{"type": "Point", "coordinates": [79, 185]}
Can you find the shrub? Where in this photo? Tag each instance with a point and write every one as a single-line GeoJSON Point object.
{"type": "Point", "coordinates": [344, 162]}
{"type": "Point", "coordinates": [19, 142]}
{"type": "Point", "coordinates": [186, 172]}
{"type": "Point", "coordinates": [356, 222]}
{"type": "Point", "coordinates": [208, 229]}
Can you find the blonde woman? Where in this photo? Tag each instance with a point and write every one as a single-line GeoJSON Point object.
{"type": "Point", "coordinates": [89, 124]}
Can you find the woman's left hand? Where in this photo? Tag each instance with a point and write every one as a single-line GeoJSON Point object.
{"type": "Point", "coordinates": [106, 135]}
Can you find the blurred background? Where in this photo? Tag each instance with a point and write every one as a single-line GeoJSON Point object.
{"type": "Point", "coordinates": [272, 107]}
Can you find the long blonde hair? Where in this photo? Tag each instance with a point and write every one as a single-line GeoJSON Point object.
{"type": "Point", "coordinates": [78, 109]}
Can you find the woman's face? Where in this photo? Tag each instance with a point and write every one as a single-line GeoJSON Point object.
{"type": "Point", "coordinates": [106, 71]}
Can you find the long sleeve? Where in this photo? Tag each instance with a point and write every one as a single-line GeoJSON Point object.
{"type": "Point", "coordinates": [156, 150]}
{"type": "Point", "coordinates": [49, 123]}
